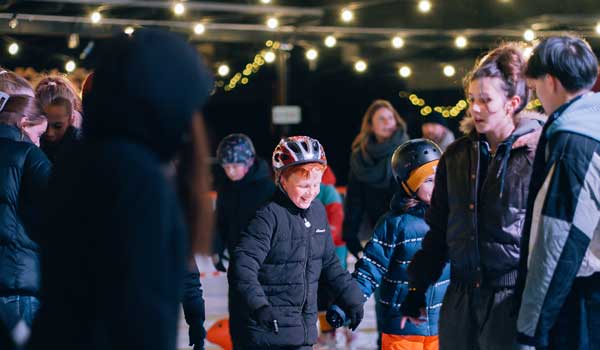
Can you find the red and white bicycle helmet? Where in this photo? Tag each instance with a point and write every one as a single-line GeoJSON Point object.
{"type": "Point", "coordinates": [296, 150]}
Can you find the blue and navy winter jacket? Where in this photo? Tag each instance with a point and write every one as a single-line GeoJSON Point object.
{"type": "Point", "coordinates": [396, 238]}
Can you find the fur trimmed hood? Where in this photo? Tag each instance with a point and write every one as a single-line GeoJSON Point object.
{"type": "Point", "coordinates": [467, 125]}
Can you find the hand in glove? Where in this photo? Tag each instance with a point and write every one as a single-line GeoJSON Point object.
{"type": "Point", "coordinates": [197, 334]}
{"type": "Point", "coordinates": [355, 314]}
{"type": "Point", "coordinates": [264, 317]}
{"type": "Point", "coordinates": [413, 308]}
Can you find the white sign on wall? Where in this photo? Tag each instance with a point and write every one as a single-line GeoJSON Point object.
{"type": "Point", "coordinates": [283, 115]}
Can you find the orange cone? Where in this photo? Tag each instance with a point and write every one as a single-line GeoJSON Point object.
{"type": "Point", "coordinates": [219, 334]}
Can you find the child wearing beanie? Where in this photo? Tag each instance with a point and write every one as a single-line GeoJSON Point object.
{"type": "Point", "coordinates": [396, 238]}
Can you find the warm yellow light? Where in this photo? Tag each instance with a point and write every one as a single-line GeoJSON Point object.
{"type": "Point", "coordinates": [270, 56]}
{"type": "Point", "coordinates": [449, 71]}
{"type": "Point", "coordinates": [179, 9]}
{"type": "Point", "coordinates": [460, 42]}
{"type": "Point", "coordinates": [397, 42]}
{"type": "Point", "coordinates": [347, 15]}
{"type": "Point", "coordinates": [360, 66]}
{"type": "Point", "coordinates": [425, 6]}
{"type": "Point", "coordinates": [96, 17]}
{"type": "Point", "coordinates": [223, 70]}
{"type": "Point", "coordinates": [265, 1]}
{"type": "Point", "coordinates": [13, 49]}
{"type": "Point", "coordinates": [199, 29]}
{"type": "Point", "coordinates": [129, 30]}
{"type": "Point", "coordinates": [405, 71]}
{"type": "Point", "coordinates": [598, 28]}
{"type": "Point", "coordinates": [527, 52]}
{"type": "Point", "coordinates": [70, 66]}
{"type": "Point", "coordinates": [312, 54]}
{"type": "Point", "coordinates": [529, 35]}
{"type": "Point", "coordinates": [330, 41]}
{"type": "Point", "coordinates": [272, 23]}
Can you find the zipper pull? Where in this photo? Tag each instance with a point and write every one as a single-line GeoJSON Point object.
{"type": "Point", "coordinates": [306, 223]}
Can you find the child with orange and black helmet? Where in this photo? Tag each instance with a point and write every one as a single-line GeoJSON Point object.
{"type": "Point", "coordinates": [275, 267]}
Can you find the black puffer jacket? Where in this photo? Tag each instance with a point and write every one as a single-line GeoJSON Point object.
{"type": "Point", "coordinates": [477, 212]}
{"type": "Point", "coordinates": [24, 173]}
{"type": "Point", "coordinates": [56, 150]}
{"type": "Point", "coordinates": [237, 203]}
{"type": "Point", "coordinates": [278, 262]}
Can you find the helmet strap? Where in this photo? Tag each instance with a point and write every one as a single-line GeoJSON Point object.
{"type": "Point", "coordinates": [408, 190]}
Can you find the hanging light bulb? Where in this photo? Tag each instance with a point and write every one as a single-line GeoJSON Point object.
{"type": "Point", "coordinates": [270, 56]}
{"type": "Point", "coordinates": [272, 23]}
{"type": "Point", "coordinates": [179, 9]}
{"type": "Point", "coordinates": [397, 42]}
{"type": "Point", "coordinates": [529, 35]}
{"type": "Point", "coordinates": [96, 17]}
{"type": "Point", "coordinates": [199, 29]}
{"type": "Point", "coordinates": [70, 66]}
{"type": "Point", "coordinates": [527, 52]}
{"type": "Point", "coordinates": [312, 54]}
{"type": "Point", "coordinates": [129, 30]}
{"type": "Point", "coordinates": [347, 15]}
{"type": "Point", "coordinates": [460, 42]}
{"type": "Point", "coordinates": [73, 41]}
{"type": "Point", "coordinates": [449, 71]}
{"type": "Point", "coordinates": [598, 28]}
{"type": "Point", "coordinates": [405, 71]}
{"type": "Point", "coordinates": [424, 6]}
{"type": "Point", "coordinates": [13, 49]}
{"type": "Point", "coordinates": [330, 41]}
{"type": "Point", "coordinates": [14, 22]}
{"type": "Point", "coordinates": [360, 66]}
{"type": "Point", "coordinates": [223, 70]}
{"type": "Point", "coordinates": [265, 1]}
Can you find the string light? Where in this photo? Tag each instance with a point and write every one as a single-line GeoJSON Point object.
{"type": "Point", "coordinates": [529, 35]}
{"type": "Point", "coordinates": [330, 41]}
{"type": "Point", "coordinates": [14, 22]}
{"type": "Point", "coordinates": [405, 71]}
{"type": "Point", "coordinates": [360, 66]}
{"type": "Point", "coordinates": [598, 28]}
{"type": "Point", "coordinates": [449, 70]}
{"type": "Point", "coordinates": [96, 17]}
{"type": "Point", "coordinates": [460, 42]}
{"type": "Point", "coordinates": [70, 66]}
{"type": "Point", "coordinates": [199, 29]}
{"type": "Point", "coordinates": [272, 23]}
{"type": "Point", "coordinates": [425, 6]}
{"type": "Point", "coordinates": [397, 42]}
{"type": "Point", "coordinates": [312, 54]}
{"type": "Point", "coordinates": [347, 15]}
{"type": "Point", "coordinates": [178, 9]}
{"type": "Point", "coordinates": [223, 70]}
{"type": "Point", "coordinates": [265, 1]}
{"type": "Point", "coordinates": [269, 56]}
{"type": "Point", "coordinates": [73, 41]}
{"type": "Point", "coordinates": [13, 49]}
{"type": "Point", "coordinates": [129, 30]}
{"type": "Point", "coordinates": [426, 109]}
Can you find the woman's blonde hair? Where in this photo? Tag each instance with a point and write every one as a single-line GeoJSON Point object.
{"type": "Point", "coordinates": [366, 128]}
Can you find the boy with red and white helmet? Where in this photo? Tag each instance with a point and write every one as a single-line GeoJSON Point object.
{"type": "Point", "coordinates": [275, 268]}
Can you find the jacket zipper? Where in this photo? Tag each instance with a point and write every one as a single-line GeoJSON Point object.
{"type": "Point", "coordinates": [475, 211]}
{"type": "Point", "coordinates": [307, 227]}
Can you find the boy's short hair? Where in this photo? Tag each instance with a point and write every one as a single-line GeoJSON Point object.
{"type": "Point", "coordinates": [568, 58]}
{"type": "Point", "coordinates": [302, 170]}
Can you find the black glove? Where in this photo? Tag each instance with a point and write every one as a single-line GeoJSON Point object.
{"type": "Point", "coordinates": [413, 303]}
{"type": "Point", "coordinates": [354, 247]}
{"type": "Point", "coordinates": [355, 314]}
{"type": "Point", "coordinates": [264, 317]}
{"type": "Point", "coordinates": [197, 333]}
{"type": "Point", "coordinates": [220, 266]}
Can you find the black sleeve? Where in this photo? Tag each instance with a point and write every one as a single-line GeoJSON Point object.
{"type": "Point", "coordinates": [220, 228]}
{"type": "Point", "coordinates": [193, 304]}
{"type": "Point", "coordinates": [248, 257]}
{"type": "Point", "coordinates": [353, 214]}
{"type": "Point", "coordinates": [428, 263]}
{"type": "Point", "coordinates": [344, 288]}
{"type": "Point", "coordinates": [36, 174]}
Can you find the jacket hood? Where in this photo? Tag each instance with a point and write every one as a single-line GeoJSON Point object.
{"type": "Point", "coordinates": [582, 117]}
{"type": "Point", "coordinates": [527, 121]}
{"type": "Point", "coordinates": [329, 177]}
{"type": "Point", "coordinates": [146, 88]}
